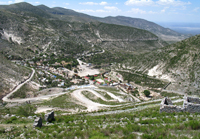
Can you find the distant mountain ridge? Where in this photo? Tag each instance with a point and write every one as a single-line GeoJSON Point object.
{"type": "Point", "coordinates": [73, 16]}
{"type": "Point", "coordinates": [164, 33]}
{"type": "Point", "coordinates": [25, 24]}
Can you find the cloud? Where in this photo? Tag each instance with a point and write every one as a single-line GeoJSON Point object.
{"type": "Point", "coordinates": [10, 2]}
{"type": "Point", "coordinates": [66, 3]}
{"type": "Point", "coordinates": [103, 3]}
{"type": "Point", "coordinates": [92, 11]}
{"type": "Point", "coordinates": [196, 9]}
{"type": "Point", "coordinates": [163, 10]}
{"type": "Point", "coordinates": [139, 2]}
{"type": "Point", "coordinates": [93, 3]}
{"type": "Point", "coordinates": [111, 8]}
{"type": "Point", "coordinates": [2, 3]}
{"type": "Point", "coordinates": [107, 9]}
{"type": "Point", "coordinates": [172, 2]}
{"type": "Point", "coordinates": [88, 3]}
{"type": "Point", "coordinates": [158, 2]}
{"type": "Point", "coordinates": [17, 1]}
{"type": "Point", "coordinates": [137, 11]}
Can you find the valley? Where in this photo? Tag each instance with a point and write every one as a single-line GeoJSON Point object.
{"type": "Point", "coordinates": [101, 77]}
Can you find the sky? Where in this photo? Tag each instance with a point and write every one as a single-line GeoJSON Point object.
{"type": "Point", "coordinates": [177, 11]}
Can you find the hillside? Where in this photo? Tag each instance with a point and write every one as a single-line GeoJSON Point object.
{"type": "Point", "coordinates": [11, 75]}
{"type": "Point", "coordinates": [30, 33]}
{"type": "Point", "coordinates": [69, 15]}
{"type": "Point", "coordinates": [177, 63]}
{"type": "Point", "coordinates": [163, 33]}
{"type": "Point", "coordinates": [35, 30]}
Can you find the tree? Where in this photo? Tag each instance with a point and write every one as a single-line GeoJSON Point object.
{"type": "Point", "coordinates": [147, 93]}
{"type": "Point", "coordinates": [91, 77]}
{"type": "Point", "coordinates": [75, 70]}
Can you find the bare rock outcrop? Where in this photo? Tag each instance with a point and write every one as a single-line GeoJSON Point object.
{"type": "Point", "coordinates": [38, 122]}
{"type": "Point", "coordinates": [49, 117]}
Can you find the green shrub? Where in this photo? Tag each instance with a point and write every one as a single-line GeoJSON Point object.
{"type": "Point", "coordinates": [11, 120]}
{"type": "Point", "coordinates": [147, 93]}
{"type": "Point", "coordinates": [26, 110]}
{"type": "Point", "coordinates": [195, 125]}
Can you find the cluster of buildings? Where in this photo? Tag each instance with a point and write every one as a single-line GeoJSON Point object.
{"type": "Point", "coordinates": [51, 72]}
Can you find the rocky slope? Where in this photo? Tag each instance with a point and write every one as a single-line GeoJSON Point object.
{"type": "Point", "coordinates": [177, 63]}
{"type": "Point", "coordinates": [73, 16]}
{"type": "Point", "coordinates": [36, 30]}
{"type": "Point", "coordinates": [11, 75]}
{"type": "Point", "coordinates": [28, 32]}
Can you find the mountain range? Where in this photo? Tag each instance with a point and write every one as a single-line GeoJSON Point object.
{"type": "Point", "coordinates": [28, 32]}
{"type": "Point", "coordinates": [69, 15]}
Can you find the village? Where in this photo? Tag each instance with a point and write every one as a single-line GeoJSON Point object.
{"type": "Point", "coordinates": [57, 75]}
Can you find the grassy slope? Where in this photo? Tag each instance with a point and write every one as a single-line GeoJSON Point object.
{"type": "Point", "coordinates": [146, 123]}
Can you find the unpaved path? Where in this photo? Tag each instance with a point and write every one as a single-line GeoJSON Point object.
{"type": "Point", "coordinates": [43, 109]}
{"type": "Point", "coordinates": [6, 98]}
{"type": "Point", "coordinates": [139, 108]}
{"type": "Point", "coordinates": [96, 94]}
{"type": "Point", "coordinates": [35, 98]}
{"type": "Point", "coordinates": [91, 106]}
{"type": "Point", "coordinates": [112, 95]}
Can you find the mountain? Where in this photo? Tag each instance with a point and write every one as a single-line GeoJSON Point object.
{"type": "Point", "coordinates": [177, 63]}
{"type": "Point", "coordinates": [33, 29]}
{"type": "Point", "coordinates": [31, 33]}
{"type": "Point", "coordinates": [164, 33]}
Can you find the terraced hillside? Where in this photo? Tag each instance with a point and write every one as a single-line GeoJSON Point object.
{"type": "Point", "coordinates": [177, 63]}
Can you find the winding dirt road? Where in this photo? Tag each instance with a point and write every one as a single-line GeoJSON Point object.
{"type": "Point", "coordinates": [92, 106]}
{"type": "Point", "coordinates": [6, 98]}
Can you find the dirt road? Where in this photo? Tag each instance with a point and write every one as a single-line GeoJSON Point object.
{"type": "Point", "coordinates": [6, 98]}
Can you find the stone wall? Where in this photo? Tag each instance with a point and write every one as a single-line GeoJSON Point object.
{"type": "Point", "coordinates": [190, 104]}
{"type": "Point", "coordinates": [171, 108]}
{"type": "Point", "coordinates": [192, 100]}
{"type": "Point", "coordinates": [167, 106]}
